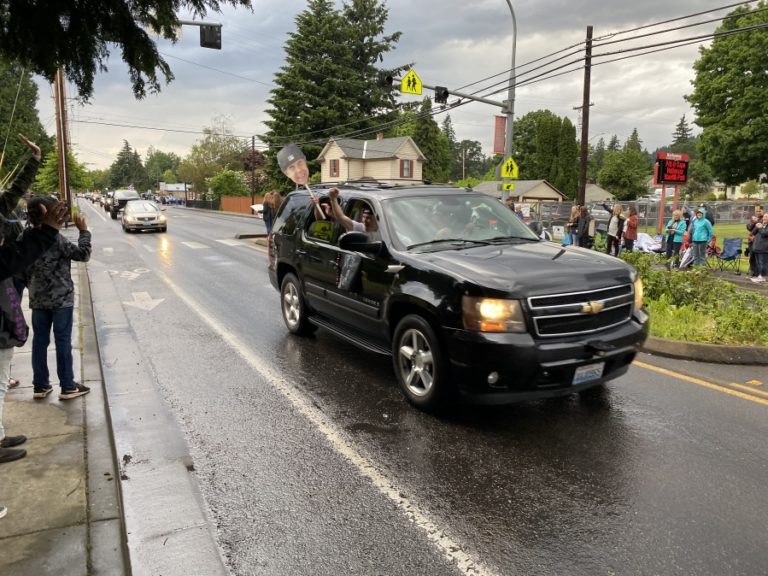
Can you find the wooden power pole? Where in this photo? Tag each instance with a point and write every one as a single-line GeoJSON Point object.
{"type": "Point", "coordinates": [62, 136]}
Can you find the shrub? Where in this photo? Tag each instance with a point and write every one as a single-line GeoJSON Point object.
{"type": "Point", "coordinates": [696, 306]}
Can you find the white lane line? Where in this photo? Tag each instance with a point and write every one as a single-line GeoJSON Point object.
{"type": "Point", "coordinates": [338, 440]}
{"type": "Point", "coordinates": [149, 248]}
{"type": "Point", "coordinates": [231, 242]}
{"type": "Point", "coordinates": [195, 245]}
{"type": "Point", "coordinates": [108, 249]}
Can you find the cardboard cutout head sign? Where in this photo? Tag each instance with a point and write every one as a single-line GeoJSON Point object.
{"type": "Point", "coordinates": [293, 164]}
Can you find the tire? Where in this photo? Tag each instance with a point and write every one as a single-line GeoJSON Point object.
{"type": "Point", "coordinates": [293, 308]}
{"type": "Point", "coordinates": [164, 229]}
{"type": "Point", "coordinates": [113, 214]}
{"type": "Point", "coordinates": [420, 364]}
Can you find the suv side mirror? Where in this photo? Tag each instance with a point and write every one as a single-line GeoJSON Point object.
{"type": "Point", "coordinates": [358, 242]}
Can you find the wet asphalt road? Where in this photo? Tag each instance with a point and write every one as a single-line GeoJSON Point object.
{"type": "Point", "coordinates": [311, 462]}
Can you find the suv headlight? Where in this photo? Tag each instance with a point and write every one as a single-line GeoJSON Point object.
{"type": "Point", "coordinates": [638, 293]}
{"type": "Point", "coordinates": [492, 315]}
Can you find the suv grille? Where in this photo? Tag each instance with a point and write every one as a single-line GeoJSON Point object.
{"type": "Point", "coordinates": [581, 312]}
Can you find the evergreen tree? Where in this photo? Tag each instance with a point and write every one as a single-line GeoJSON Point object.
{"type": "Point", "coordinates": [329, 82]}
{"type": "Point", "coordinates": [127, 169]}
{"type": "Point", "coordinates": [567, 176]}
{"type": "Point", "coordinates": [596, 159]}
{"type": "Point", "coordinates": [454, 167]}
{"type": "Point", "coordinates": [634, 142]}
{"type": "Point", "coordinates": [614, 145]}
{"type": "Point", "coordinates": [683, 133]}
{"type": "Point", "coordinates": [433, 144]}
{"type": "Point", "coordinates": [24, 119]}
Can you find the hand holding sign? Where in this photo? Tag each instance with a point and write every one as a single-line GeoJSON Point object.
{"type": "Point", "coordinates": [293, 164]}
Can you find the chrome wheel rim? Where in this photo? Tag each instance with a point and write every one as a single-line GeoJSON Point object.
{"type": "Point", "coordinates": [417, 368]}
{"type": "Point", "coordinates": [291, 305]}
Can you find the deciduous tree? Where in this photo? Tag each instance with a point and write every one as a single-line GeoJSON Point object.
{"type": "Point", "coordinates": [433, 144]}
{"type": "Point", "coordinates": [18, 98]}
{"type": "Point", "coordinates": [729, 98]}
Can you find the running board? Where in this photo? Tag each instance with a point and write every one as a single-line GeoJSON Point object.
{"type": "Point", "coordinates": [352, 336]}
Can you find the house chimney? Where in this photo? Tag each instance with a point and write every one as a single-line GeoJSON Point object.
{"type": "Point", "coordinates": [379, 135]}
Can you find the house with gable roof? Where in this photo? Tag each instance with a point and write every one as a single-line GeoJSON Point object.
{"type": "Point", "coordinates": [387, 160]}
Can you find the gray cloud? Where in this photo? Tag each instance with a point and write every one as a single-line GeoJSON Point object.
{"type": "Point", "coordinates": [452, 43]}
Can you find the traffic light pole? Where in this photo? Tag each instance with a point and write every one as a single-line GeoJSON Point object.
{"type": "Point", "coordinates": [509, 104]}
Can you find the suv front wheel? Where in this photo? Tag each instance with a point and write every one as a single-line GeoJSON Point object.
{"type": "Point", "coordinates": [419, 363]}
{"type": "Point", "coordinates": [293, 306]}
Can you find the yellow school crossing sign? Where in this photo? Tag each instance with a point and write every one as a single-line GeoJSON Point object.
{"type": "Point", "coordinates": [411, 83]}
{"type": "Point", "coordinates": [509, 168]}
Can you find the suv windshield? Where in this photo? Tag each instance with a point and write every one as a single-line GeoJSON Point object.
{"type": "Point", "coordinates": [445, 221]}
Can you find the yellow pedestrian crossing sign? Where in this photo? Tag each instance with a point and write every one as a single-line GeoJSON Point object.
{"type": "Point", "coordinates": [508, 186]}
{"type": "Point", "coordinates": [411, 83]}
{"type": "Point", "coordinates": [509, 168]}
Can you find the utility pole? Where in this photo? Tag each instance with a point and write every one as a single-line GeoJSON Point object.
{"type": "Point", "coordinates": [253, 169]}
{"type": "Point", "coordinates": [62, 136]}
{"type": "Point", "coordinates": [581, 196]}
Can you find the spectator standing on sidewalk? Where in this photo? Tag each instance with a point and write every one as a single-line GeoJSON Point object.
{"type": "Point", "coordinates": [15, 257]}
{"type": "Point", "coordinates": [615, 229]}
{"type": "Point", "coordinates": [9, 209]}
{"type": "Point", "coordinates": [701, 234]}
{"type": "Point", "coordinates": [756, 217]}
{"type": "Point", "coordinates": [676, 227]}
{"type": "Point", "coordinates": [630, 230]}
{"type": "Point", "coordinates": [52, 299]}
{"type": "Point", "coordinates": [760, 248]}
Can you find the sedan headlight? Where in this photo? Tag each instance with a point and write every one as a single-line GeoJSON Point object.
{"type": "Point", "coordinates": [161, 218]}
{"type": "Point", "coordinates": [129, 219]}
{"type": "Point", "coordinates": [492, 315]}
{"type": "Point", "coordinates": [638, 293]}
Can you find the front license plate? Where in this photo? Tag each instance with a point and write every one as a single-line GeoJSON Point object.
{"type": "Point", "coordinates": [588, 373]}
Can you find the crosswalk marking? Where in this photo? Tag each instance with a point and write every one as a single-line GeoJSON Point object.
{"type": "Point", "coordinates": [231, 242]}
{"type": "Point", "coordinates": [195, 245]}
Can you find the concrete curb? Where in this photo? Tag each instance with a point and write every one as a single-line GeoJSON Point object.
{"type": "Point", "coordinates": [716, 353]}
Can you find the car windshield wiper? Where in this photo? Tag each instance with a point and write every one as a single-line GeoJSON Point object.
{"type": "Point", "coordinates": [505, 238]}
{"type": "Point", "coordinates": [454, 242]}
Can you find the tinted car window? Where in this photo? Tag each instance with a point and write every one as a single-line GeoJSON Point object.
{"type": "Point", "coordinates": [291, 213]}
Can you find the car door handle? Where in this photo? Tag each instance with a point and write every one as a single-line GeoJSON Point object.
{"type": "Point", "coordinates": [333, 263]}
{"type": "Point", "coordinates": [301, 252]}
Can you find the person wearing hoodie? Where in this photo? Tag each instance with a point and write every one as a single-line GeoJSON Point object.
{"type": "Point", "coordinates": [760, 248]}
{"type": "Point", "coordinates": [701, 234]}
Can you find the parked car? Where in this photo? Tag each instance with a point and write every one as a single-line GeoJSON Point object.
{"type": "Point", "coordinates": [463, 296]}
{"type": "Point", "coordinates": [119, 199]}
{"type": "Point", "coordinates": [143, 215]}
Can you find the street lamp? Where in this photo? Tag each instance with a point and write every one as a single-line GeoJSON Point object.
{"type": "Point", "coordinates": [509, 103]}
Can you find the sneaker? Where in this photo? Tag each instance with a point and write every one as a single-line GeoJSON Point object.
{"type": "Point", "coordinates": [11, 441]}
{"type": "Point", "coordinates": [3, 511]}
{"type": "Point", "coordinates": [757, 279]}
{"type": "Point", "coordinates": [11, 454]}
{"type": "Point", "coordinates": [42, 392]}
{"type": "Point", "coordinates": [13, 383]}
{"type": "Point", "coordinates": [69, 393]}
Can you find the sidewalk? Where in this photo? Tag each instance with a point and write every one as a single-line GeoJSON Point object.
{"type": "Point", "coordinates": [64, 513]}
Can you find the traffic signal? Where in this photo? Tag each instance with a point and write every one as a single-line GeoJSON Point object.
{"type": "Point", "coordinates": [441, 95]}
{"type": "Point", "coordinates": [210, 36]}
{"type": "Point", "coordinates": [386, 81]}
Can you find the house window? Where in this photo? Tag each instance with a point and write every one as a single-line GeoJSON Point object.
{"type": "Point", "coordinates": [334, 168]}
{"type": "Point", "coordinates": [406, 168]}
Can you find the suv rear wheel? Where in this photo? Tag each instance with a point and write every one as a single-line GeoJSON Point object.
{"type": "Point", "coordinates": [293, 307]}
{"type": "Point", "coordinates": [419, 363]}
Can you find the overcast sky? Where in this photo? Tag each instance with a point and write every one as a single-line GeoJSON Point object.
{"type": "Point", "coordinates": [453, 43]}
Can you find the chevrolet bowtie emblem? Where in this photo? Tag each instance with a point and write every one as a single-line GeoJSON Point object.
{"type": "Point", "coordinates": [592, 307]}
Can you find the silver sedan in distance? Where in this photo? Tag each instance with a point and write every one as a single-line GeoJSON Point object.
{"type": "Point", "coordinates": [144, 215]}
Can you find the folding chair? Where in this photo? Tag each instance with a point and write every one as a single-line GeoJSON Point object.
{"type": "Point", "coordinates": [730, 256]}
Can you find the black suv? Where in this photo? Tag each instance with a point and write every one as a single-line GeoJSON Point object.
{"type": "Point", "coordinates": [118, 200]}
{"type": "Point", "coordinates": [461, 294]}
